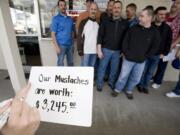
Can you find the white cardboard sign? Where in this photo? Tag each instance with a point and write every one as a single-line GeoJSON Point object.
{"type": "Point", "coordinates": [62, 94]}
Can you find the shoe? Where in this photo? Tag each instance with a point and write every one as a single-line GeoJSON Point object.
{"type": "Point", "coordinates": [146, 91]}
{"type": "Point", "coordinates": [99, 89]}
{"type": "Point", "coordinates": [172, 95]}
{"type": "Point", "coordinates": [129, 96]}
{"type": "Point", "coordinates": [106, 78]}
{"type": "Point", "coordinates": [139, 89]}
{"type": "Point", "coordinates": [115, 94]}
{"type": "Point", "coordinates": [156, 86]}
{"type": "Point", "coordinates": [112, 87]}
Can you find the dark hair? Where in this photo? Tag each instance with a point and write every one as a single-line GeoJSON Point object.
{"type": "Point", "coordinates": [118, 1]}
{"type": "Point", "coordinates": [150, 7]}
{"type": "Point", "coordinates": [111, 1]}
{"type": "Point", "coordinates": [60, 1]}
{"type": "Point", "coordinates": [149, 11]}
{"type": "Point", "coordinates": [159, 9]}
{"type": "Point", "coordinates": [89, 0]}
{"type": "Point", "coordinates": [132, 5]}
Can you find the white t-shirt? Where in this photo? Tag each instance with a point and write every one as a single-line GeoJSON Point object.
{"type": "Point", "coordinates": [90, 33]}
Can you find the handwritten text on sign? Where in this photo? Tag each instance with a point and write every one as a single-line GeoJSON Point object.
{"type": "Point", "coordinates": [63, 94]}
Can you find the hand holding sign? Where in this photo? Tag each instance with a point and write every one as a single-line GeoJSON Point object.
{"type": "Point", "coordinates": [63, 94]}
{"type": "Point", "coordinates": [22, 119]}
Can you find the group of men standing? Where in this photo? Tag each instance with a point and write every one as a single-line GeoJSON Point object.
{"type": "Point", "coordinates": [128, 50]}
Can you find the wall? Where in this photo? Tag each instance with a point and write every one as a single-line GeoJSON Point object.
{"type": "Point", "coordinates": [143, 3]}
{"type": "Point", "coordinates": [140, 3]}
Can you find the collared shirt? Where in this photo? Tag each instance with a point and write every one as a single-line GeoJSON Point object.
{"type": "Point", "coordinates": [133, 22]}
{"type": "Point", "coordinates": [174, 23]}
{"type": "Point", "coordinates": [63, 26]}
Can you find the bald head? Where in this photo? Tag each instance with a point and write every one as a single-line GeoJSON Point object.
{"type": "Point", "coordinates": [93, 8]}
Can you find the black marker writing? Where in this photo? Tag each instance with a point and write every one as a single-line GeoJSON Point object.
{"type": "Point", "coordinates": [63, 92]}
{"type": "Point", "coordinates": [43, 78]}
{"type": "Point", "coordinates": [69, 79]}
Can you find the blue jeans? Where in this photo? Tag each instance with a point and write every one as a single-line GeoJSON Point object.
{"type": "Point", "coordinates": [130, 75]}
{"type": "Point", "coordinates": [150, 67]}
{"type": "Point", "coordinates": [107, 69]}
{"type": "Point", "coordinates": [88, 60]}
{"type": "Point", "coordinates": [68, 52]}
{"type": "Point", "coordinates": [160, 72]}
{"type": "Point", "coordinates": [112, 57]}
{"type": "Point", "coordinates": [177, 89]}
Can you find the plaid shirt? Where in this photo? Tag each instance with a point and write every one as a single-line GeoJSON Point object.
{"type": "Point", "coordinates": [174, 23]}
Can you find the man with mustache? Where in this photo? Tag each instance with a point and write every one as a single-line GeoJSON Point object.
{"type": "Point", "coordinates": [108, 13]}
{"type": "Point", "coordinates": [87, 37]}
{"type": "Point", "coordinates": [62, 30]}
{"type": "Point", "coordinates": [85, 14]}
{"type": "Point", "coordinates": [110, 37]}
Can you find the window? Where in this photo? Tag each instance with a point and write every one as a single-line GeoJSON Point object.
{"type": "Point", "coordinates": [48, 8]}
{"type": "Point", "coordinates": [23, 16]}
{"type": "Point", "coordinates": [25, 26]}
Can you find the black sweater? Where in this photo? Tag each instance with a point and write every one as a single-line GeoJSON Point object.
{"type": "Point", "coordinates": [111, 33]}
{"type": "Point", "coordinates": [141, 43]}
{"type": "Point", "coordinates": [166, 38]}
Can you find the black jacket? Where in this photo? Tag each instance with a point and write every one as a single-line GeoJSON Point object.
{"type": "Point", "coordinates": [166, 38]}
{"type": "Point", "coordinates": [141, 43]}
{"type": "Point", "coordinates": [111, 33]}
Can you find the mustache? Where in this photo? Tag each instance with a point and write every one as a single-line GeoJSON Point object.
{"type": "Point", "coordinates": [116, 12]}
{"type": "Point", "coordinates": [93, 12]}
